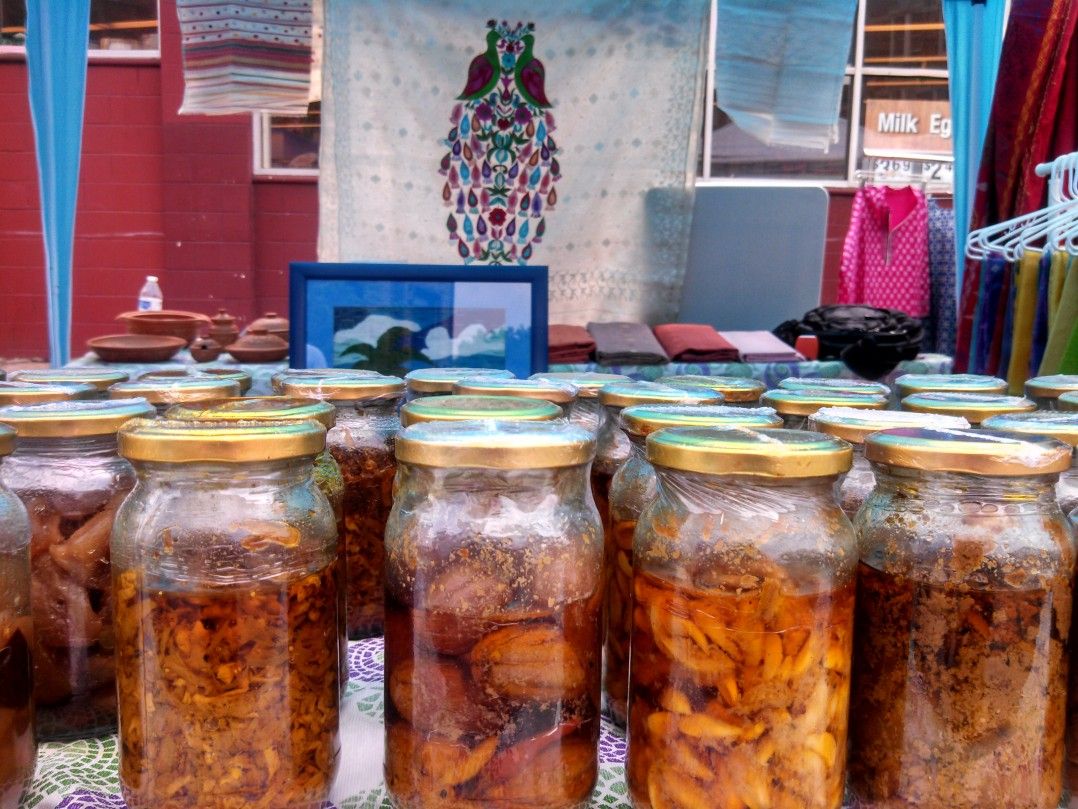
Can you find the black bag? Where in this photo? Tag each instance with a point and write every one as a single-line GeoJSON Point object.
{"type": "Point", "coordinates": [870, 341]}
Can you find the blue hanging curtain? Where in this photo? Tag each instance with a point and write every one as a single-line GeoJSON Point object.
{"type": "Point", "coordinates": [974, 40]}
{"type": "Point", "coordinates": [57, 35]}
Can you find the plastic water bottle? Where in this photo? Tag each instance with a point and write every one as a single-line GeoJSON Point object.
{"type": "Point", "coordinates": [150, 298]}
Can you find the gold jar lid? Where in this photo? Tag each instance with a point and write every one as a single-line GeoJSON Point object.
{"type": "Point", "coordinates": [559, 393]}
{"type": "Point", "coordinates": [1052, 423]}
{"type": "Point", "coordinates": [257, 408]}
{"type": "Point", "coordinates": [587, 383]}
{"type": "Point", "coordinates": [1067, 401]}
{"type": "Point", "coordinates": [160, 392]}
{"type": "Point", "coordinates": [23, 393]}
{"type": "Point", "coordinates": [959, 383]}
{"type": "Point", "coordinates": [242, 378]}
{"type": "Point", "coordinates": [807, 402]}
{"type": "Point", "coordinates": [627, 394]}
{"type": "Point", "coordinates": [976, 452]}
{"type": "Point", "coordinates": [7, 440]}
{"type": "Point", "coordinates": [316, 373]}
{"type": "Point", "coordinates": [974, 407]}
{"type": "Point", "coordinates": [844, 385]}
{"type": "Point", "coordinates": [855, 426]}
{"type": "Point", "coordinates": [741, 451]}
{"type": "Point", "coordinates": [441, 380]}
{"type": "Point", "coordinates": [733, 388]}
{"type": "Point", "coordinates": [168, 441]}
{"type": "Point", "coordinates": [335, 388]}
{"type": "Point", "coordinates": [99, 379]}
{"type": "Point", "coordinates": [495, 445]}
{"type": "Point", "coordinates": [643, 420]}
{"type": "Point", "coordinates": [474, 408]}
{"type": "Point", "coordinates": [1051, 387]}
{"type": "Point", "coordinates": [73, 419]}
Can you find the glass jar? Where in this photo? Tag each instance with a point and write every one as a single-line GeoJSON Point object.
{"type": "Point", "coordinates": [1046, 390]}
{"type": "Point", "coordinates": [361, 442]}
{"type": "Point", "coordinates": [743, 602]}
{"type": "Point", "coordinates": [242, 378]}
{"type": "Point", "coordinates": [963, 618]}
{"type": "Point", "coordinates": [631, 491]}
{"type": "Point", "coordinates": [1062, 426]}
{"type": "Point", "coordinates": [863, 386]}
{"type": "Point", "coordinates": [18, 750]}
{"type": "Point", "coordinates": [277, 380]}
{"type": "Point", "coordinates": [24, 393]}
{"type": "Point", "coordinates": [494, 597]}
{"type": "Point", "coordinates": [909, 384]}
{"type": "Point", "coordinates": [440, 381]}
{"type": "Point", "coordinates": [855, 426]}
{"type": "Point", "coordinates": [795, 406]}
{"type": "Point", "coordinates": [737, 391]}
{"type": "Point", "coordinates": [66, 472]}
{"type": "Point", "coordinates": [973, 407]}
{"type": "Point", "coordinates": [561, 394]}
{"type": "Point", "coordinates": [227, 591]}
{"type": "Point", "coordinates": [98, 378]}
{"type": "Point", "coordinates": [477, 408]}
{"type": "Point", "coordinates": [164, 393]}
{"type": "Point", "coordinates": [586, 411]}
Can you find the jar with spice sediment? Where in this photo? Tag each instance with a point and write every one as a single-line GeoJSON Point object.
{"type": "Point", "coordinates": [796, 406]}
{"type": "Point", "coordinates": [909, 384]}
{"type": "Point", "coordinates": [99, 379]}
{"type": "Point", "coordinates": [586, 412]}
{"type": "Point", "coordinates": [276, 380]}
{"type": "Point", "coordinates": [1053, 424]}
{"type": "Point", "coordinates": [66, 472]}
{"type": "Point", "coordinates": [737, 391]}
{"type": "Point", "coordinates": [240, 377]}
{"type": "Point", "coordinates": [973, 407]}
{"type": "Point", "coordinates": [631, 490]}
{"type": "Point", "coordinates": [854, 426]}
{"type": "Point", "coordinates": [560, 393]}
{"type": "Point", "coordinates": [963, 620]}
{"type": "Point", "coordinates": [227, 599]}
{"type": "Point", "coordinates": [743, 607]}
{"type": "Point", "coordinates": [361, 442]}
{"type": "Point", "coordinates": [1046, 390]}
{"type": "Point", "coordinates": [24, 393]}
{"type": "Point", "coordinates": [494, 598]}
{"type": "Point", "coordinates": [18, 750]}
{"type": "Point", "coordinates": [163, 393]}
{"type": "Point", "coordinates": [440, 381]}
{"type": "Point", "coordinates": [862, 386]}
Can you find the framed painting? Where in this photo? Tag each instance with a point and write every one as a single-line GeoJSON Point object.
{"type": "Point", "coordinates": [395, 318]}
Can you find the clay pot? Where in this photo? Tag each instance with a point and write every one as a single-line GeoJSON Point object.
{"type": "Point", "coordinates": [258, 345]}
{"type": "Point", "coordinates": [272, 323]}
{"type": "Point", "coordinates": [136, 347]}
{"type": "Point", "coordinates": [166, 322]}
{"type": "Point", "coordinates": [205, 349]}
{"type": "Point", "coordinates": [223, 329]}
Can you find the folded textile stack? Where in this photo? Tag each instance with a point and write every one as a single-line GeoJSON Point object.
{"type": "Point", "coordinates": [760, 346]}
{"type": "Point", "coordinates": [626, 344]}
{"type": "Point", "coordinates": [567, 345]}
{"type": "Point", "coordinates": [694, 342]}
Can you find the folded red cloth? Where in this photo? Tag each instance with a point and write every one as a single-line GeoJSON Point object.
{"type": "Point", "coordinates": [694, 342]}
{"type": "Point", "coordinates": [568, 344]}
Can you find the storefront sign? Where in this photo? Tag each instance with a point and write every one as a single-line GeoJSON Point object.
{"type": "Point", "coordinates": [910, 130]}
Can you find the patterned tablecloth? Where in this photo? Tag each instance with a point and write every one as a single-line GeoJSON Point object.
{"type": "Point", "coordinates": [84, 774]}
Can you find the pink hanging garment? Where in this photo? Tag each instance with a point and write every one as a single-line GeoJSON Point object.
{"type": "Point", "coordinates": [885, 255]}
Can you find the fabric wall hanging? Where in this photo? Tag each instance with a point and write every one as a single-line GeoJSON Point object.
{"type": "Point", "coordinates": [244, 57]}
{"type": "Point", "coordinates": [562, 134]}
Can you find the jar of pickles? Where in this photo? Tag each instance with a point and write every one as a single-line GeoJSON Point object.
{"type": "Point", "coordinates": [18, 750]}
{"type": "Point", "coordinates": [477, 408]}
{"type": "Point", "coordinates": [796, 406]}
{"type": "Point", "coordinates": [855, 426]}
{"type": "Point", "coordinates": [276, 381]}
{"type": "Point", "coordinates": [632, 490]}
{"type": "Point", "coordinates": [165, 392]}
{"type": "Point", "coordinates": [493, 609]}
{"type": "Point", "coordinates": [973, 407]}
{"type": "Point", "coordinates": [909, 384]}
{"type": "Point", "coordinates": [559, 393]}
{"type": "Point", "coordinates": [1059, 425]}
{"type": "Point", "coordinates": [66, 472]}
{"type": "Point", "coordinates": [737, 391]}
{"type": "Point", "coordinates": [963, 619]}
{"type": "Point", "coordinates": [743, 602]}
{"type": "Point", "coordinates": [586, 411]}
{"type": "Point", "coordinates": [1046, 390]}
{"type": "Point", "coordinates": [440, 381]}
{"type": "Point", "coordinates": [240, 377]}
{"type": "Point", "coordinates": [227, 594]}
{"type": "Point", "coordinates": [99, 379]}
{"type": "Point", "coordinates": [863, 386]}
{"type": "Point", "coordinates": [24, 393]}
{"type": "Point", "coordinates": [361, 442]}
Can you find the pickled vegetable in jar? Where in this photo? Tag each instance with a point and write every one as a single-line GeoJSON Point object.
{"type": "Point", "coordinates": [18, 750]}
{"type": "Point", "coordinates": [494, 599]}
{"type": "Point", "coordinates": [1046, 390]}
{"type": "Point", "coordinates": [973, 407]}
{"type": "Point", "coordinates": [277, 380]}
{"type": "Point", "coordinates": [862, 386]}
{"type": "Point", "coordinates": [227, 600]}
{"type": "Point", "coordinates": [66, 472]}
{"type": "Point", "coordinates": [24, 393]}
{"type": "Point", "coordinates": [361, 442]}
{"type": "Point", "coordinates": [631, 490]}
{"type": "Point", "coordinates": [240, 377]}
{"type": "Point", "coordinates": [586, 411]}
{"type": "Point", "coordinates": [165, 392]}
{"type": "Point", "coordinates": [560, 393]}
{"type": "Point", "coordinates": [737, 391]}
{"type": "Point", "coordinates": [439, 381]}
{"type": "Point", "coordinates": [743, 607]}
{"type": "Point", "coordinates": [963, 619]}
{"type": "Point", "coordinates": [855, 426]}
{"type": "Point", "coordinates": [795, 406]}
{"type": "Point", "coordinates": [1059, 425]}
{"type": "Point", "coordinates": [474, 408]}
{"type": "Point", "coordinates": [98, 378]}
{"type": "Point", "coordinates": [909, 384]}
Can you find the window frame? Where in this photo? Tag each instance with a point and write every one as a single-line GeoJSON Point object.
{"type": "Point", "coordinates": [96, 55]}
{"type": "Point", "coordinates": [262, 151]}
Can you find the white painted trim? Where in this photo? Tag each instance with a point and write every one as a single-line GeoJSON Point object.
{"type": "Point", "coordinates": [261, 151]}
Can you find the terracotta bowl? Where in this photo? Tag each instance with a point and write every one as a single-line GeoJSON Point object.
{"type": "Point", "coordinates": [258, 346]}
{"type": "Point", "coordinates": [136, 347]}
{"type": "Point", "coordinates": [167, 322]}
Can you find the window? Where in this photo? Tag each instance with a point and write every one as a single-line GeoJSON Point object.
{"type": "Point", "coordinates": [288, 145]}
{"type": "Point", "coordinates": [117, 27]}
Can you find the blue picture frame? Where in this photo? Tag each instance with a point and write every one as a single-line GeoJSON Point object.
{"type": "Point", "coordinates": [398, 317]}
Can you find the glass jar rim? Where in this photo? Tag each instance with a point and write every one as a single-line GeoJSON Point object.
{"type": "Point", "coordinates": [733, 388]}
{"type": "Point", "coordinates": [587, 383]}
{"type": "Point", "coordinates": [773, 453]}
{"type": "Point", "coordinates": [99, 378]}
{"type": "Point", "coordinates": [627, 394]}
{"type": "Point", "coordinates": [73, 418]}
{"type": "Point", "coordinates": [170, 441]}
{"type": "Point", "coordinates": [475, 408]}
{"type": "Point", "coordinates": [495, 445]}
{"type": "Point", "coordinates": [974, 407]}
{"type": "Point", "coordinates": [923, 383]}
{"type": "Point", "coordinates": [559, 393]}
{"type": "Point", "coordinates": [807, 402]}
{"type": "Point", "coordinates": [853, 425]}
{"type": "Point", "coordinates": [336, 388]}
{"type": "Point", "coordinates": [24, 393]}
{"type": "Point", "coordinates": [979, 452]}
{"type": "Point", "coordinates": [167, 391]}
{"type": "Point", "coordinates": [642, 420]}
{"type": "Point", "coordinates": [257, 408]}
